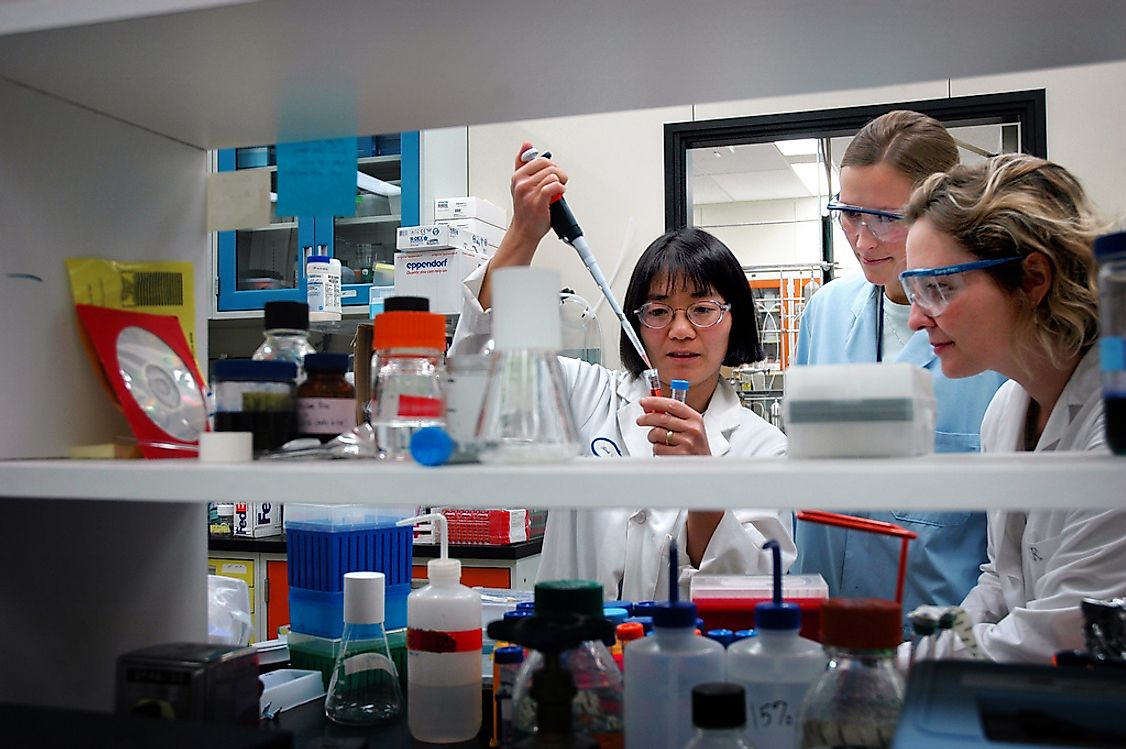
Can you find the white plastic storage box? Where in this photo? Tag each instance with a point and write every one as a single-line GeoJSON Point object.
{"type": "Point", "coordinates": [439, 237]}
{"type": "Point", "coordinates": [859, 410]}
{"type": "Point", "coordinates": [469, 207]}
{"type": "Point", "coordinates": [492, 234]}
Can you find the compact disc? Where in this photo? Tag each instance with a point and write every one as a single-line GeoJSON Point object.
{"type": "Point", "coordinates": [161, 383]}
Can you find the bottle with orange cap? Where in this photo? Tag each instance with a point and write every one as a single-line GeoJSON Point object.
{"type": "Point", "coordinates": [857, 701]}
{"type": "Point", "coordinates": [408, 366]}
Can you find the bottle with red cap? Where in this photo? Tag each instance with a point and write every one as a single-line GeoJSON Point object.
{"type": "Point", "coordinates": [857, 701]}
{"type": "Point", "coordinates": [408, 392]}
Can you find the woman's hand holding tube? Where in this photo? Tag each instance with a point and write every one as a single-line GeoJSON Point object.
{"type": "Point", "coordinates": [534, 185]}
{"type": "Point", "coordinates": [676, 429]}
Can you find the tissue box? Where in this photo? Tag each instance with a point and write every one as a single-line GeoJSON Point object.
{"type": "Point", "coordinates": [439, 237]}
{"type": "Point", "coordinates": [468, 207]}
{"type": "Point", "coordinates": [257, 519]}
{"type": "Point", "coordinates": [436, 275]}
{"type": "Point", "coordinates": [859, 410]}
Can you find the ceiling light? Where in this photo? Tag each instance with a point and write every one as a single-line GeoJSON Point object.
{"type": "Point", "coordinates": [799, 147]}
{"type": "Point", "coordinates": [812, 176]}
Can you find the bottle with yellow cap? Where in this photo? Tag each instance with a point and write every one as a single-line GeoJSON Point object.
{"type": "Point", "coordinates": [408, 393]}
{"type": "Point", "coordinates": [857, 701]}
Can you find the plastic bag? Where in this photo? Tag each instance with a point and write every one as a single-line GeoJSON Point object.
{"type": "Point", "coordinates": [228, 611]}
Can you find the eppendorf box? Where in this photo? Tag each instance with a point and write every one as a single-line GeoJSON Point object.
{"type": "Point", "coordinates": [436, 275]}
{"type": "Point", "coordinates": [257, 519]}
{"type": "Point", "coordinates": [439, 237]}
{"type": "Point", "coordinates": [468, 207]}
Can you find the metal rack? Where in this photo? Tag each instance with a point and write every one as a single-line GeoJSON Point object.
{"type": "Point", "coordinates": [781, 292]}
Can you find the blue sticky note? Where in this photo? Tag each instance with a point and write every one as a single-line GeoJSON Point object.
{"type": "Point", "coordinates": [317, 177]}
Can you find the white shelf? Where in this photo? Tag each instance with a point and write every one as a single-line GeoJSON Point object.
{"type": "Point", "coordinates": [387, 218]}
{"type": "Point", "coordinates": [937, 482]}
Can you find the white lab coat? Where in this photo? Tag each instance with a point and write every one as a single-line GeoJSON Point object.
{"type": "Point", "coordinates": [1042, 562]}
{"type": "Point", "coordinates": [625, 549]}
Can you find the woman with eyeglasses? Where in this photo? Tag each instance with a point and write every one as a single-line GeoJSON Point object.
{"type": "Point", "coordinates": [1001, 276]}
{"type": "Point", "coordinates": [690, 304]}
{"type": "Point", "coordinates": [863, 318]}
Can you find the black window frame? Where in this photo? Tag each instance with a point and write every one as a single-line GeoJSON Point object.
{"type": "Point", "coordinates": [1028, 108]}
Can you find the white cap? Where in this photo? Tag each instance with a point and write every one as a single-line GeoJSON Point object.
{"type": "Point", "coordinates": [226, 447]}
{"type": "Point", "coordinates": [444, 570]}
{"type": "Point", "coordinates": [526, 308]}
{"type": "Point", "coordinates": [363, 597]}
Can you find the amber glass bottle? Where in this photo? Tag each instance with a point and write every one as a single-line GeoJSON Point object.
{"type": "Point", "coordinates": [326, 403]}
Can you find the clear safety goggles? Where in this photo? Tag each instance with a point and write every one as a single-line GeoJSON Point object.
{"type": "Point", "coordinates": [884, 225]}
{"type": "Point", "coordinates": [932, 289]}
{"type": "Point", "coordinates": [703, 314]}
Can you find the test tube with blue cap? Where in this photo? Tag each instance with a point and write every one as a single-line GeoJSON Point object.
{"type": "Point", "coordinates": [679, 390]}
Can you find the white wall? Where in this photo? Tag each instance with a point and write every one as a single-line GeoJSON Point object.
{"type": "Point", "coordinates": [74, 183]}
{"type": "Point", "coordinates": [615, 161]}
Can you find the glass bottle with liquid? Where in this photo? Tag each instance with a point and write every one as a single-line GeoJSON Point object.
{"type": "Point", "coordinates": [857, 701]}
{"type": "Point", "coordinates": [364, 688]}
{"type": "Point", "coordinates": [286, 335]}
{"type": "Point", "coordinates": [409, 378]}
{"type": "Point", "coordinates": [719, 713]}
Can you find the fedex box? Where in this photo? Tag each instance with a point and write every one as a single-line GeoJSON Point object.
{"type": "Point", "coordinates": [468, 207]}
{"type": "Point", "coordinates": [436, 275]}
{"type": "Point", "coordinates": [257, 519]}
{"type": "Point", "coordinates": [439, 237]}
{"type": "Point", "coordinates": [859, 410]}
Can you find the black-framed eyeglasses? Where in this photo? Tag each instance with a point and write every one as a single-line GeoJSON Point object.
{"type": "Point", "coordinates": [702, 314]}
{"type": "Point", "coordinates": [884, 225]}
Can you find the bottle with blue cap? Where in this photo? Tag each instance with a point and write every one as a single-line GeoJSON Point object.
{"type": "Point", "coordinates": [663, 669]}
{"type": "Point", "coordinates": [776, 667]}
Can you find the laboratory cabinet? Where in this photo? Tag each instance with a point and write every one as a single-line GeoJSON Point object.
{"type": "Point", "coordinates": [255, 266]}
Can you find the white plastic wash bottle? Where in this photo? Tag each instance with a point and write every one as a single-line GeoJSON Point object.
{"type": "Point", "coordinates": [443, 650]}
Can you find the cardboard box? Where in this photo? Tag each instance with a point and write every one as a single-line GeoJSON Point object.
{"type": "Point", "coordinates": [469, 207]}
{"type": "Point", "coordinates": [492, 234]}
{"type": "Point", "coordinates": [439, 237]}
{"type": "Point", "coordinates": [257, 519]}
{"type": "Point", "coordinates": [436, 275]}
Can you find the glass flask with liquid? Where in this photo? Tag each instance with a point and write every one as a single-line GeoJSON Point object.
{"type": "Point", "coordinates": [364, 688]}
{"type": "Point", "coordinates": [526, 411]}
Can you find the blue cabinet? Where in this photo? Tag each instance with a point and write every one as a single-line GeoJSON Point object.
{"type": "Point", "coordinates": [255, 266]}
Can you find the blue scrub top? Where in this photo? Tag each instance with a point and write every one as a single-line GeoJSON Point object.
{"type": "Point", "coordinates": [839, 327]}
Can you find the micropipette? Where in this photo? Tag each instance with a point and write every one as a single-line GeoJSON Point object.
{"type": "Point", "coordinates": [567, 228]}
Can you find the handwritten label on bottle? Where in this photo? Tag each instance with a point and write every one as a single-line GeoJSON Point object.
{"type": "Point", "coordinates": [325, 415]}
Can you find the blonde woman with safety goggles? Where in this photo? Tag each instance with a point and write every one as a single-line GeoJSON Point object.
{"type": "Point", "coordinates": [1001, 276]}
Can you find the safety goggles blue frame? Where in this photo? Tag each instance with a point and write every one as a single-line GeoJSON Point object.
{"type": "Point", "coordinates": [933, 297]}
{"type": "Point", "coordinates": [835, 204]}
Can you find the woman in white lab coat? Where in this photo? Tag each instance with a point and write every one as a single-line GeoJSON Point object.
{"type": "Point", "coordinates": [690, 304]}
{"type": "Point", "coordinates": [1001, 276]}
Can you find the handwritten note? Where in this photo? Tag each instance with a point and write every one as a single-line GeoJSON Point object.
{"type": "Point", "coordinates": [317, 177]}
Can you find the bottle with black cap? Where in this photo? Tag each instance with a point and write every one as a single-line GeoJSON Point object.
{"type": "Point", "coordinates": [287, 335]}
{"type": "Point", "coordinates": [719, 712]}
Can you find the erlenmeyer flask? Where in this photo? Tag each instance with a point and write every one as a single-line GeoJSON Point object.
{"type": "Point", "coordinates": [526, 415]}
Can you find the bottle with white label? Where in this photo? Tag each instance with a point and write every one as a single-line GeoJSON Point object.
{"type": "Point", "coordinates": [326, 402]}
{"type": "Point", "coordinates": [776, 668]}
{"type": "Point", "coordinates": [443, 650]}
{"type": "Point", "coordinates": [323, 284]}
{"type": "Point", "coordinates": [365, 685]}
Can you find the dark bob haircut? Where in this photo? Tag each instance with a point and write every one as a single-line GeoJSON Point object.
{"type": "Point", "coordinates": [697, 261]}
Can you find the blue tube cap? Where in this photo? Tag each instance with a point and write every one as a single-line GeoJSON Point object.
{"type": "Point", "coordinates": [508, 654]}
{"type": "Point", "coordinates": [678, 384]}
{"type": "Point", "coordinates": [431, 446]}
{"type": "Point", "coordinates": [615, 614]}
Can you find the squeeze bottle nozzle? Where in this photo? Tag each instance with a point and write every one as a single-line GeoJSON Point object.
{"type": "Point", "coordinates": [777, 614]}
{"type": "Point", "coordinates": [443, 565]}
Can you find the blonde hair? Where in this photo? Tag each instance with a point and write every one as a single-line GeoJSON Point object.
{"type": "Point", "coordinates": [1016, 205]}
{"type": "Point", "coordinates": [914, 144]}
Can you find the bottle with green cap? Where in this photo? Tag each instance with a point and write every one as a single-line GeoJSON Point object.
{"type": "Point", "coordinates": [775, 668]}
{"type": "Point", "coordinates": [597, 708]}
{"type": "Point", "coordinates": [443, 650]}
{"type": "Point", "coordinates": [663, 669]}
